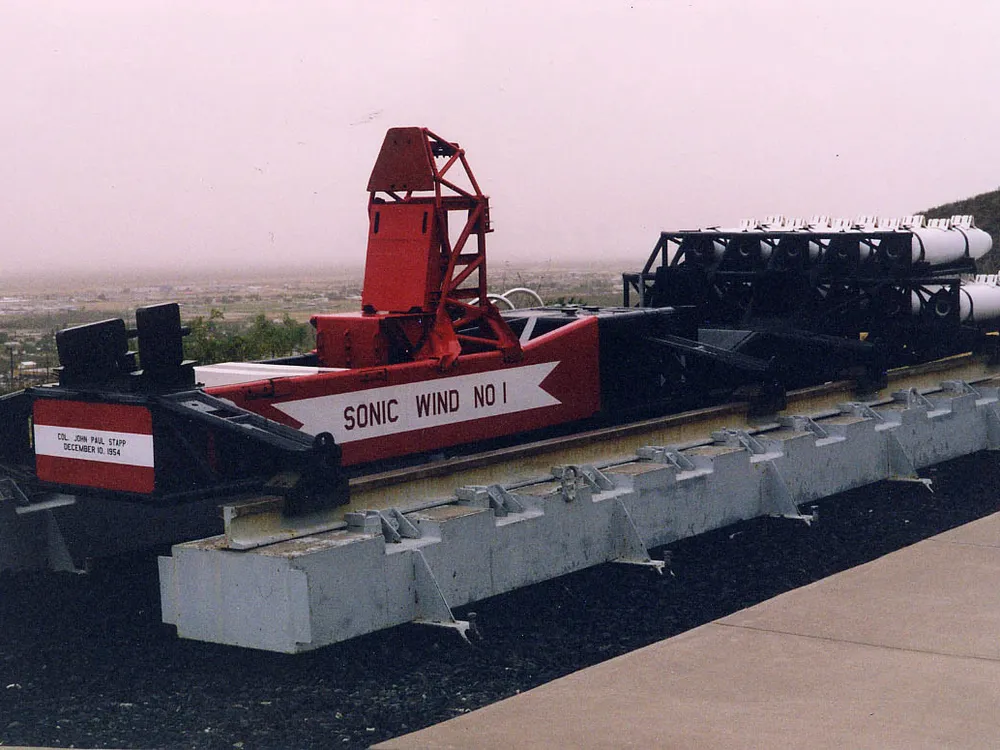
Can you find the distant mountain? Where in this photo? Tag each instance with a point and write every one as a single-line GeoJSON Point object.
{"type": "Point", "coordinates": [986, 209]}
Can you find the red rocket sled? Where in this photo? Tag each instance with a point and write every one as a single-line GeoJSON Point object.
{"type": "Point", "coordinates": [429, 362]}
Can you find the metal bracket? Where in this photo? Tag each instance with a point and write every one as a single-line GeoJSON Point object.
{"type": "Point", "coordinates": [628, 546]}
{"type": "Point", "coordinates": [666, 454]}
{"type": "Point", "coordinates": [960, 388]}
{"type": "Point", "coordinates": [432, 608]}
{"type": "Point", "coordinates": [392, 527]}
{"type": "Point", "coordinates": [56, 550]}
{"type": "Point", "coordinates": [572, 475]}
{"type": "Point", "coordinates": [912, 398]}
{"type": "Point", "coordinates": [901, 468]}
{"type": "Point", "coordinates": [860, 409]}
{"type": "Point", "coordinates": [60, 560]}
{"type": "Point", "coordinates": [396, 526]}
{"type": "Point", "coordinates": [494, 496]}
{"type": "Point", "coordinates": [502, 501]}
{"type": "Point", "coordinates": [10, 490]}
{"type": "Point", "coordinates": [742, 438]}
{"type": "Point", "coordinates": [569, 479]}
{"type": "Point", "coordinates": [473, 494]}
{"type": "Point", "coordinates": [597, 479]}
{"type": "Point", "coordinates": [50, 503]}
{"type": "Point", "coordinates": [777, 498]}
{"type": "Point", "coordinates": [801, 423]}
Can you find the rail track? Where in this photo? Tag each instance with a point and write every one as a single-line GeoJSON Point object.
{"type": "Point", "coordinates": [259, 521]}
{"type": "Point", "coordinates": [415, 543]}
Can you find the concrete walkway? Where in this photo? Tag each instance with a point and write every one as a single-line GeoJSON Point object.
{"type": "Point", "coordinates": [903, 652]}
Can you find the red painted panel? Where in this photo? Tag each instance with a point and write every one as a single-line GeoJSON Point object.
{"type": "Point", "coordinates": [377, 413]}
{"type": "Point", "coordinates": [403, 163]}
{"type": "Point", "coordinates": [121, 478]}
{"type": "Point", "coordinates": [86, 415]}
{"type": "Point", "coordinates": [350, 340]}
{"type": "Point", "coordinates": [106, 446]}
{"type": "Point", "coordinates": [403, 267]}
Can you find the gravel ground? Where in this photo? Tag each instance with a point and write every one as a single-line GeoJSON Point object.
{"type": "Point", "coordinates": [85, 661]}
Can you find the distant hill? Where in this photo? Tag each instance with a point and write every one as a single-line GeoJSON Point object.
{"type": "Point", "coordinates": [986, 209]}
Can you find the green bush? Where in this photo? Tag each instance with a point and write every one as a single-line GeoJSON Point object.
{"type": "Point", "coordinates": [214, 339]}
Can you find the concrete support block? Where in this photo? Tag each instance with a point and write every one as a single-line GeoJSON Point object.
{"type": "Point", "coordinates": [319, 589]}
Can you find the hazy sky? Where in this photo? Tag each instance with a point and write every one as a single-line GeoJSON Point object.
{"type": "Point", "coordinates": [192, 132]}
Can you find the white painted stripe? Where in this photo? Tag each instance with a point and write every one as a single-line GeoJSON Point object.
{"type": "Point", "coordinates": [230, 373]}
{"type": "Point", "coordinates": [105, 446]}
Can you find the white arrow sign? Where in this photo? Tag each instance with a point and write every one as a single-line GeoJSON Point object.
{"type": "Point", "coordinates": [416, 406]}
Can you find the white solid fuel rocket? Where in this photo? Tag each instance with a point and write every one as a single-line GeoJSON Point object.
{"type": "Point", "coordinates": [937, 242]}
{"type": "Point", "coordinates": [911, 241]}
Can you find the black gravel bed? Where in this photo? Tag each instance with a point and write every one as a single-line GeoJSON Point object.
{"type": "Point", "coordinates": [86, 662]}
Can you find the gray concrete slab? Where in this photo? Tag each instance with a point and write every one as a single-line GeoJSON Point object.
{"type": "Point", "coordinates": [984, 533]}
{"type": "Point", "coordinates": [903, 652]}
{"type": "Point", "coordinates": [937, 596]}
{"type": "Point", "coordinates": [333, 585]}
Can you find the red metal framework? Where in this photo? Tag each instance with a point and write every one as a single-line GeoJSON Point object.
{"type": "Point", "coordinates": [432, 287]}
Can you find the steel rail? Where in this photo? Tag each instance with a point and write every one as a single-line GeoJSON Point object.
{"type": "Point", "coordinates": [259, 522]}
